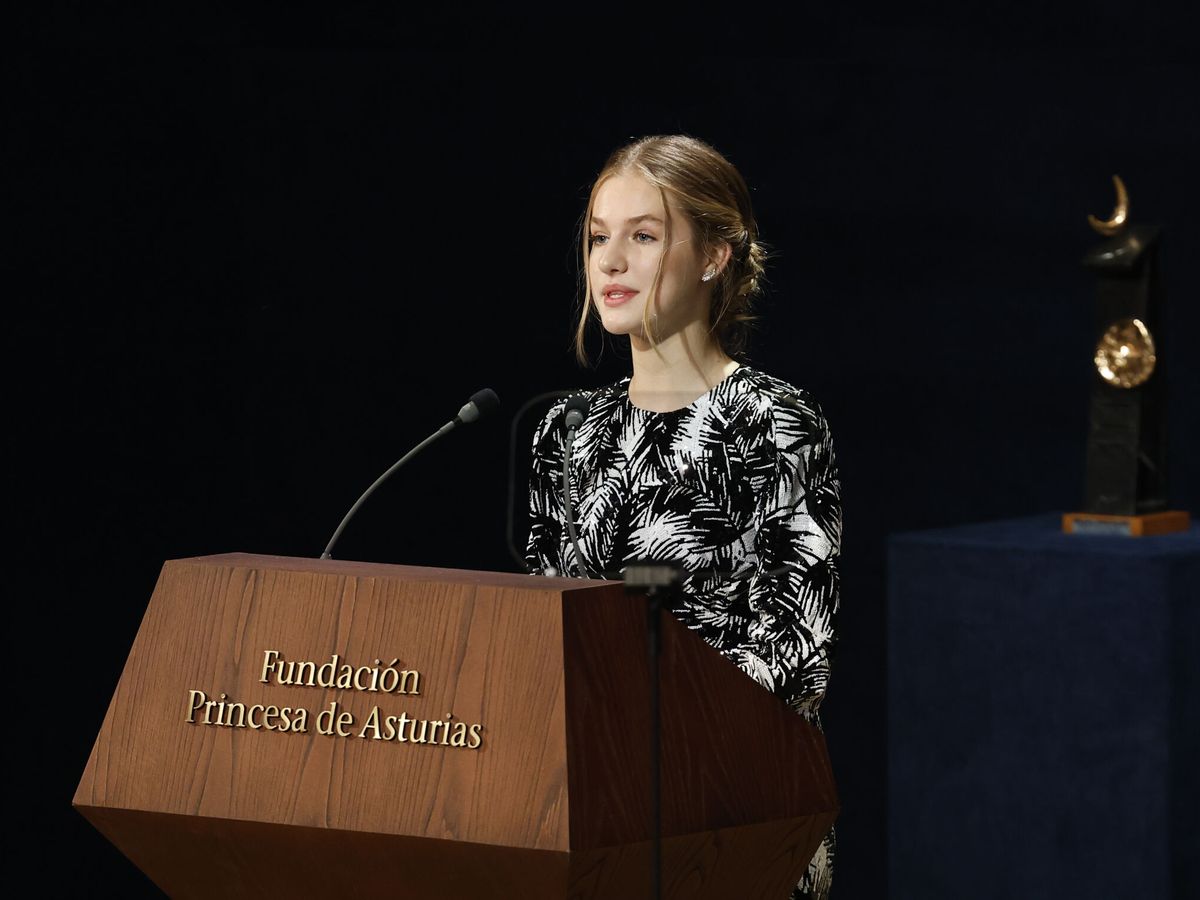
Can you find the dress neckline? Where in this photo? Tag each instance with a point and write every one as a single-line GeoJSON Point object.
{"type": "Point", "coordinates": [700, 401]}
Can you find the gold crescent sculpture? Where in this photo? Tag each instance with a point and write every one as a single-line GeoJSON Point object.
{"type": "Point", "coordinates": [1120, 212]}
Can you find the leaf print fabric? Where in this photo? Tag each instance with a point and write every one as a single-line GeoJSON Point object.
{"type": "Point", "coordinates": [740, 490]}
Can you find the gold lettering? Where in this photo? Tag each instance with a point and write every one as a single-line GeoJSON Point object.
{"type": "Point", "coordinates": [268, 664]}
{"type": "Point", "coordinates": [235, 714]}
{"type": "Point", "coordinates": [372, 724]}
{"type": "Point", "coordinates": [412, 732]}
{"type": "Point", "coordinates": [406, 676]}
{"type": "Point", "coordinates": [195, 701]}
{"type": "Point", "coordinates": [312, 673]}
{"type": "Point", "coordinates": [460, 735]}
{"type": "Point", "coordinates": [325, 718]}
{"type": "Point", "coordinates": [240, 710]}
{"type": "Point", "coordinates": [324, 678]}
{"type": "Point", "coordinates": [476, 737]}
{"type": "Point", "coordinates": [357, 673]}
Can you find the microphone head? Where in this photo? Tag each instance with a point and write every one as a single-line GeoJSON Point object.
{"type": "Point", "coordinates": [485, 401]}
{"type": "Point", "coordinates": [482, 403]}
{"type": "Point", "coordinates": [576, 410]}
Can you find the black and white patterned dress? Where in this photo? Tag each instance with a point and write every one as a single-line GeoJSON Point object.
{"type": "Point", "coordinates": [735, 485]}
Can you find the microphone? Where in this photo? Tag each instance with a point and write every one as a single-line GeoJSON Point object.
{"type": "Point", "coordinates": [481, 404]}
{"type": "Point", "coordinates": [575, 412]}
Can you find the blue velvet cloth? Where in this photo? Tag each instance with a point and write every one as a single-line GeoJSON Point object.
{"type": "Point", "coordinates": [1043, 699]}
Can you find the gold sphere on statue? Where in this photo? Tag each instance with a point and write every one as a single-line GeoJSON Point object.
{"type": "Point", "coordinates": [1125, 354]}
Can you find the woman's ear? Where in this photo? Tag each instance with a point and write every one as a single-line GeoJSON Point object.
{"type": "Point", "coordinates": [717, 257]}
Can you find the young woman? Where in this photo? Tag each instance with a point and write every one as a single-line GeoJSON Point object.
{"type": "Point", "coordinates": [696, 458]}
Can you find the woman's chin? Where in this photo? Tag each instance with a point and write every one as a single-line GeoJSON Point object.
{"type": "Point", "coordinates": [621, 325]}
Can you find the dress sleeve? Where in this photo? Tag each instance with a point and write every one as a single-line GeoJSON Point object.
{"type": "Point", "coordinates": [544, 552]}
{"type": "Point", "coordinates": [793, 591]}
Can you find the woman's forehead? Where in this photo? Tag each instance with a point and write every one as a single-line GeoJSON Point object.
{"type": "Point", "coordinates": [625, 196]}
{"type": "Point", "coordinates": [628, 197]}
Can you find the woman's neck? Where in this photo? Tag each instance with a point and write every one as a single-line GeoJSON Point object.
{"type": "Point", "coordinates": [683, 367]}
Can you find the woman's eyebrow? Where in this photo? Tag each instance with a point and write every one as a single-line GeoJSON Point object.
{"type": "Point", "coordinates": [645, 217]}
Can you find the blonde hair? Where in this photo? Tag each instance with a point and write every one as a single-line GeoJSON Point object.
{"type": "Point", "coordinates": [706, 188]}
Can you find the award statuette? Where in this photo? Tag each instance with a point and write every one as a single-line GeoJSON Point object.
{"type": "Point", "coordinates": [1126, 486]}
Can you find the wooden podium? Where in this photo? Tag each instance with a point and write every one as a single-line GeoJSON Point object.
{"type": "Point", "coordinates": [319, 728]}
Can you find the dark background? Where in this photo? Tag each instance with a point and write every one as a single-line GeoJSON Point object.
{"type": "Point", "coordinates": [254, 260]}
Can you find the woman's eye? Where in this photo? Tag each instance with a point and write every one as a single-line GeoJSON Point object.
{"type": "Point", "coordinates": [598, 239]}
{"type": "Point", "coordinates": [643, 238]}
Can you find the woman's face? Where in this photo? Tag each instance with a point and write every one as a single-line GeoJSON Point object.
{"type": "Point", "coordinates": [628, 234]}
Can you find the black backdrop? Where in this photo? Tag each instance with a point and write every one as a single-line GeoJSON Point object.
{"type": "Point", "coordinates": [249, 272]}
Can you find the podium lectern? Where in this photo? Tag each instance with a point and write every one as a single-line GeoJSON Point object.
{"type": "Point", "coordinates": [319, 728]}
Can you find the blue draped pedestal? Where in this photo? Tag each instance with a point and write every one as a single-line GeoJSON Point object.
{"type": "Point", "coordinates": [1043, 708]}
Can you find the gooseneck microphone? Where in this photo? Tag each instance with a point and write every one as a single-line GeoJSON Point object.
{"type": "Point", "coordinates": [573, 415]}
{"type": "Point", "coordinates": [481, 404]}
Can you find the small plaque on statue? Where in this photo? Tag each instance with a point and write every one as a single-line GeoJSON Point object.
{"type": "Point", "coordinates": [1126, 526]}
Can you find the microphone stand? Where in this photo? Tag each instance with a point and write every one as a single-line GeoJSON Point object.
{"type": "Point", "coordinates": [482, 403]}
{"type": "Point", "coordinates": [658, 581]}
{"type": "Point", "coordinates": [445, 429]}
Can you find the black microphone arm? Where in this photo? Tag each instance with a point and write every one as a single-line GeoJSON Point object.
{"type": "Point", "coordinates": [481, 404]}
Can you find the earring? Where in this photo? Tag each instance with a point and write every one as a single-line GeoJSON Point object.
{"type": "Point", "coordinates": [708, 276]}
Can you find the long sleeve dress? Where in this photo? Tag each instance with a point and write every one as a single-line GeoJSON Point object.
{"type": "Point", "coordinates": [740, 490]}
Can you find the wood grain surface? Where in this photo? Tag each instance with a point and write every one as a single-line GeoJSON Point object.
{"type": "Point", "coordinates": [732, 753]}
{"type": "Point", "coordinates": [554, 803]}
{"type": "Point", "coordinates": [487, 653]}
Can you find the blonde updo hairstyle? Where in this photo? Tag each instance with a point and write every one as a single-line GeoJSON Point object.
{"type": "Point", "coordinates": [702, 184]}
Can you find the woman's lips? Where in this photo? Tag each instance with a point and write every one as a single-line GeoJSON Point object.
{"type": "Point", "coordinates": [615, 296]}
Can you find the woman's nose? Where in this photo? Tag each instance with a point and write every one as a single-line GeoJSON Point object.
{"type": "Point", "coordinates": [612, 260]}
